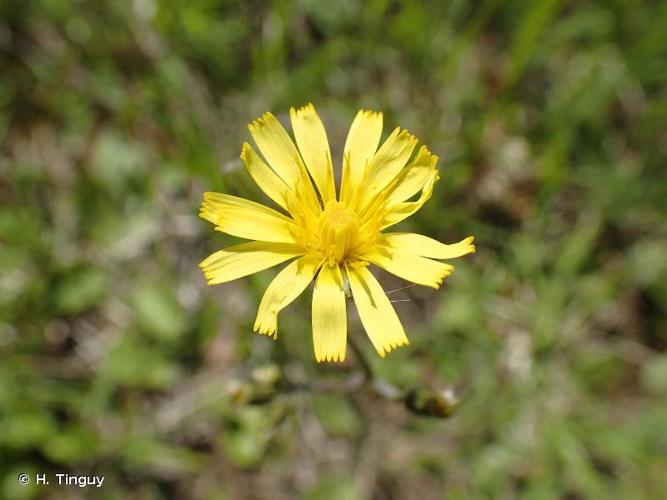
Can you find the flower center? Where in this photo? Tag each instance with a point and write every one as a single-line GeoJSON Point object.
{"type": "Point", "coordinates": [338, 232]}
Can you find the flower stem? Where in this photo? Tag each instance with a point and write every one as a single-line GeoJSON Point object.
{"type": "Point", "coordinates": [361, 357]}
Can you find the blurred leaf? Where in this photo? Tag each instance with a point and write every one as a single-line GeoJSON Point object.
{"type": "Point", "coordinates": [116, 160]}
{"type": "Point", "coordinates": [71, 444]}
{"type": "Point", "coordinates": [532, 22]}
{"type": "Point", "coordinates": [144, 452]}
{"type": "Point", "coordinates": [12, 489]}
{"type": "Point", "coordinates": [158, 312]}
{"type": "Point", "coordinates": [647, 262]}
{"type": "Point", "coordinates": [244, 436]}
{"type": "Point", "coordinates": [334, 488]}
{"type": "Point", "coordinates": [337, 416]}
{"type": "Point", "coordinates": [80, 289]}
{"type": "Point", "coordinates": [23, 429]}
{"type": "Point", "coordinates": [578, 246]}
{"type": "Point", "coordinates": [131, 362]}
{"type": "Point", "coordinates": [654, 375]}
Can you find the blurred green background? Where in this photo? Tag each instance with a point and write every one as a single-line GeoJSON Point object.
{"type": "Point", "coordinates": [550, 119]}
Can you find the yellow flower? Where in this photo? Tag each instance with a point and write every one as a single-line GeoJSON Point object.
{"type": "Point", "coordinates": [332, 239]}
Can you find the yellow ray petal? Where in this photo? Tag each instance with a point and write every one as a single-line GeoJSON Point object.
{"type": "Point", "coordinates": [285, 287]}
{"type": "Point", "coordinates": [276, 146]}
{"type": "Point", "coordinates": [246, 219]}
{"type": "Point", "coordinates": [247, 258]}
{"type": "Point", "coordinates": [283, 157]}
{"type": "Point", "coordinates": [396, 213]}
{"type": "Point", "coordinates": [410, 267]}
{"type": "Point", "coordinates": [314, 147]}
{"type": "Point", "coordinates": [360, 146]}
{"type": "Point", "coordinates": [345, 192]}
{"type": "Point", "coordinates": [387, 163]}
{"type": "Point", "coordinates": [376, 312]}
{"type": "Point", "coordinates": [424, 246]}
{"type": "Point", "coordinates": [329, 317]}
{"type": "Point", "coordinates": [268, 181]}
{"type": "Point", "coordinates": [415, 176]}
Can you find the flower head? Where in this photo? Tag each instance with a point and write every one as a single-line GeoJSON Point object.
{"type": "Point", "coordinates": [330, 236]}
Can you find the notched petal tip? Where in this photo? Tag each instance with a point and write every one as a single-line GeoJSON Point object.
{"type": "Point", "coordinates": [261, 121]}
{"type": "Point", "coordinates": [266, 326]}
{"type": "Point", "coordinates": [331, 358]}
{"type": "Point", "coordinates": [337, 355]}
{"type": "Point", "coordinates": [205, 265]}
{"type": "Point", "coordinates": [404, 134]}
{"type": "Point", "coordinates": [469, 242]}
{"type": "Point", "coordinates": [269, 331]}
{"type": "Point", "coordinates": [392, 346]}
{"type": "Point", "coordinates": [203, 214]}
{"type": "Point", "coordinates": [208, 276]}
{"type": "Point", "coordinates": [306, 108]}
{"type": "Point", "coordinates": [210, 280]}
{"type": "Point", "coordinates": [441, 279]}
{"type": "Point", "coordinates": [394, 133]}
{"type": "Point", "coordinates": [370, 113]}
{"type": "Point", "coordinates": [244, 151]}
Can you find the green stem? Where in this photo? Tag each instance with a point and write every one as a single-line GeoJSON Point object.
{"type": "Point", "coordinates": [363, 362]}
